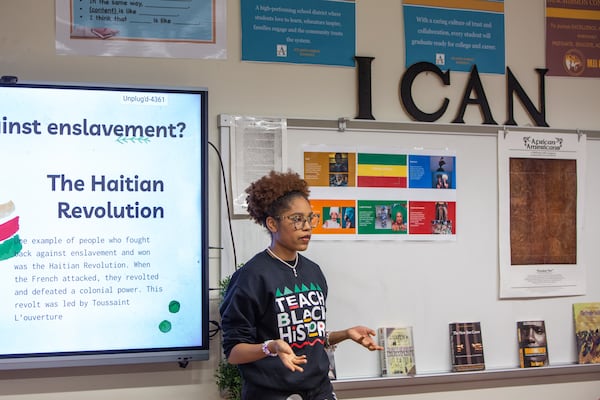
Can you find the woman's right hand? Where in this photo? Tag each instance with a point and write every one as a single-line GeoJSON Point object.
{"type": "Point", "coordinates": [287, 356]}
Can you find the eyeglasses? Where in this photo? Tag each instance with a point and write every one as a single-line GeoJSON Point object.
{"type": "Point", "coordinates": [298, 220]}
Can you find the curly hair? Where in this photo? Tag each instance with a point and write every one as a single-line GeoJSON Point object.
{"type": "Point", "coordinates": [272, 194]}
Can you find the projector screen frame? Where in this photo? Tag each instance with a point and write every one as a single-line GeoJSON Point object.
{"type": "Point", "coordinates": [134, 355]}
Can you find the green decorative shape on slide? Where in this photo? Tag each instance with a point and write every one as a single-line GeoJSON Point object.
{"type": "Point", "coordinates": [164, 326]}
{"type": "Point", "coordinates": [125, 140]}
{"type": "Point", "coordinates": [10, 247]}
{"type": "Point", "coordinates": [174, 306]}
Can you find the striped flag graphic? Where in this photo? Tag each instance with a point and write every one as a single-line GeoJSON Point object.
{"type": "Point", "coordinates": [10, 243]}
{"type": "Point", "coordinates": [381, 170]}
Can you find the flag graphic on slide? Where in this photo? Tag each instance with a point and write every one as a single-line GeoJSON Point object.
{"type": "Point", "coordinates": [10, 244]}
{"type": "Point", "coordinates": [381, 170]}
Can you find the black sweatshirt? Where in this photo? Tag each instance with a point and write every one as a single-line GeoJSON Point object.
{"type": "Point", "coordinates": [264, 301]}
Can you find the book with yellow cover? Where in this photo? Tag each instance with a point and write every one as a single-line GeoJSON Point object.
{"type": "Point", "coordinates": [587, 332]}
{"type": "Point", "coordinates": [398, 354]}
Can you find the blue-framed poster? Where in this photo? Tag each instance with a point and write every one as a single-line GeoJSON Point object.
{"type": "Point", "coordinates": [307, 32]}
{"type": "Point", "coordinates": [456, 34]}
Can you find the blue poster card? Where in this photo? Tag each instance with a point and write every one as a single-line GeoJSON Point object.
{"type": "Point", "coordinates": [431, 172]}
{"type": "Point", "coordinates": [455, 39]}
{"type": "Point", "coordinates": [303, 32]}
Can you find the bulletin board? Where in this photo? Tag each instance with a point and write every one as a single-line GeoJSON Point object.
{"type": "Point", "coordinates": [422, 283]}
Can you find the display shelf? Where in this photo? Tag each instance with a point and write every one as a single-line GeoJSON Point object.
{"type": "Point", "coordinates": [432, 382]}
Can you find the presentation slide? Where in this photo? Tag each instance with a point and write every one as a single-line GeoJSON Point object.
{"type": "Point", "coordinates": [100, 219]}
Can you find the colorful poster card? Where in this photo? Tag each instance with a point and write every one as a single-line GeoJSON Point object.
{"type": "Point", "coordinates": [334, 169]}
{"type": "Point", "coordinates": [382, 216]}
{"type": "Point", "coordinates": [337, 216]}
{"type": "Point", "coordinates": [432, 217]}
{"type": "Point", "coordinates": [381, 170]}
{"type": "Point", "coordinates": [432, 172]}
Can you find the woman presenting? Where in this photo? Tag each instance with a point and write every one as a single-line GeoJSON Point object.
{"type": "Point", "coordinates": [274, 313]}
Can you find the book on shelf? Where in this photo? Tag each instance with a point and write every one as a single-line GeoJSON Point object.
{"type": "Point", "coordinates": [466, 346]}
{"type": "Point", "coordinates": [398, 354]}
{"type": "Point", "coordinates": [533, 344]}
{"type": "Point", "coordinates": [587, 332]}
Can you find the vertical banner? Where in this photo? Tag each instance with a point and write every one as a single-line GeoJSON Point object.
{"type": "Point", "coordinates": [572, 42]}
{"type": "Point", "coordinates": [456, 36]}
{"type": "Point", "coordinates": [307, 32]}
{"type": "Point", "coordinates": [541, 181]}
{"type": "Point", "coordinates": [257, 145]}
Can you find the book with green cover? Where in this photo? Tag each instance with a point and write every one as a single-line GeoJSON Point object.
{"type": "Point", "coordinates": [398, 354]}
{"type": "Point", "coordinates": [587, 332]}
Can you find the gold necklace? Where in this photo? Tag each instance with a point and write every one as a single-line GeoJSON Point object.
{"type": "Point", "coordinates": [293, 267]}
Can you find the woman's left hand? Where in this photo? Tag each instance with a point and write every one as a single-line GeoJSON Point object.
{"type": "Point", "coordinates": [363, 336]}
